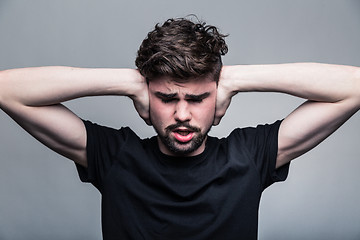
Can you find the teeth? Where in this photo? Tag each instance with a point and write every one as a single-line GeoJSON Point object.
{"type": "Point", "coordinates": [183, 133]}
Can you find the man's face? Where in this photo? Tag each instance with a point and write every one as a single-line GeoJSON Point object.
{"type": "Point", "coordinates": [182, 113]}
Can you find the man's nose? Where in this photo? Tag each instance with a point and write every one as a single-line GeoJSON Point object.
{"type": "Point", "coordinates": [182, 112]}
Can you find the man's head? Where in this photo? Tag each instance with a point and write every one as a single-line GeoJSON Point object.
{"type": "Point", "coordinates": [181, 61]}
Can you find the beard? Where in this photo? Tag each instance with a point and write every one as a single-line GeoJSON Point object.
{"type": "Point", "coordinates": [181, 148]}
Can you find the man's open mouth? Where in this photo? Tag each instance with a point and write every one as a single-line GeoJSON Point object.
{"type": "Point", "coordinates": [183, 135]}
{"type": "Point", "coordinates": [183, 132]}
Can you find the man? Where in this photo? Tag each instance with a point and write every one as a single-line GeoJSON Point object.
{"type": "Point", "coordinates": [182, 183]}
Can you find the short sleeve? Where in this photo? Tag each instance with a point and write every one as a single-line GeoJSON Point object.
{"type": "Point", "coordinates": [261, 145]}
{"type": "Point", "coordinates": [266, 149]}
{"type": "Point", "coordinates": [102, 146]}
{"type": "Point", "coordinates": [266, 143]}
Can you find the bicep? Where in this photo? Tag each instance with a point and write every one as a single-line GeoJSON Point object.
{"type": "Point", "coordinates": [56, 127]}
{"type": "Point", "coordinates": [309, 125]}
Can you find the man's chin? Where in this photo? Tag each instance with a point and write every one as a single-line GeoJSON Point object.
{"type": "Point", "coordinates": [183, 149]}
{"type": "Point", "coordinates": [177, 148]}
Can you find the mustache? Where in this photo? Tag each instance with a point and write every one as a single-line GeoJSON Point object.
{"type": "Point", "coordinates": [186, 125]}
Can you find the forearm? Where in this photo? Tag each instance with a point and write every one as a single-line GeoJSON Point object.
{"type": "Point", "coordinates": [313, 81]}
{"type": "Point", "coordinates": [51, 85]}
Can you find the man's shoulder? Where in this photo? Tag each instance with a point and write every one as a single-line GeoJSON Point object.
{"type": "Point", "coordinates": [96, 129]}
{"type": "Point", "coordinates": [94, 125]}
{"type": "Point", "coordinates": [251, 132]}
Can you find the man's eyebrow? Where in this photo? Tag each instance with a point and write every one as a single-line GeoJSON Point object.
{"type": "Point", "coordinates": [165, 95]}
{"type": "Point", "coordinates": [197, 97]}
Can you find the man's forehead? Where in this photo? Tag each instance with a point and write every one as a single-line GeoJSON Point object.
{"type": "Point", "coordinates": [191, 86]}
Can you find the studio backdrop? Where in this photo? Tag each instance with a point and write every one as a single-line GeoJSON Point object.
{"type": "Point", "coordinates": [41, 196]}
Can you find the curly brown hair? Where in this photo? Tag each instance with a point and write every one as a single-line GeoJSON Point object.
{"type": "Point", "coordinates": [181, 49]}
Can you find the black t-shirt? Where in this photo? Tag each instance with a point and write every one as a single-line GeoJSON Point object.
{"type": "Point", "coordinates": [149, 195]}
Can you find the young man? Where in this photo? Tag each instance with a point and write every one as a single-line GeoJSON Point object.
{"type": "Point", "coordinates": [182, 183]}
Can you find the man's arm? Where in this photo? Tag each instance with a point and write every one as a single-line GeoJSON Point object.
{"type": "Point", "coordinates": [33, 96]}
{"type": "Point", "coordinates": [332, 93]}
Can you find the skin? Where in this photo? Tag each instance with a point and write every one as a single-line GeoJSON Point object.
{"type": "Point", "coordinates": [188, 108]}
{"type": "Point", "coordinates": [33, 98]}
{"type": "Point", "coordinates": [332, 94]}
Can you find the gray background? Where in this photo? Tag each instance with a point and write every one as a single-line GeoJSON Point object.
{"type": "Point", "coordinates": [40, 194]}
